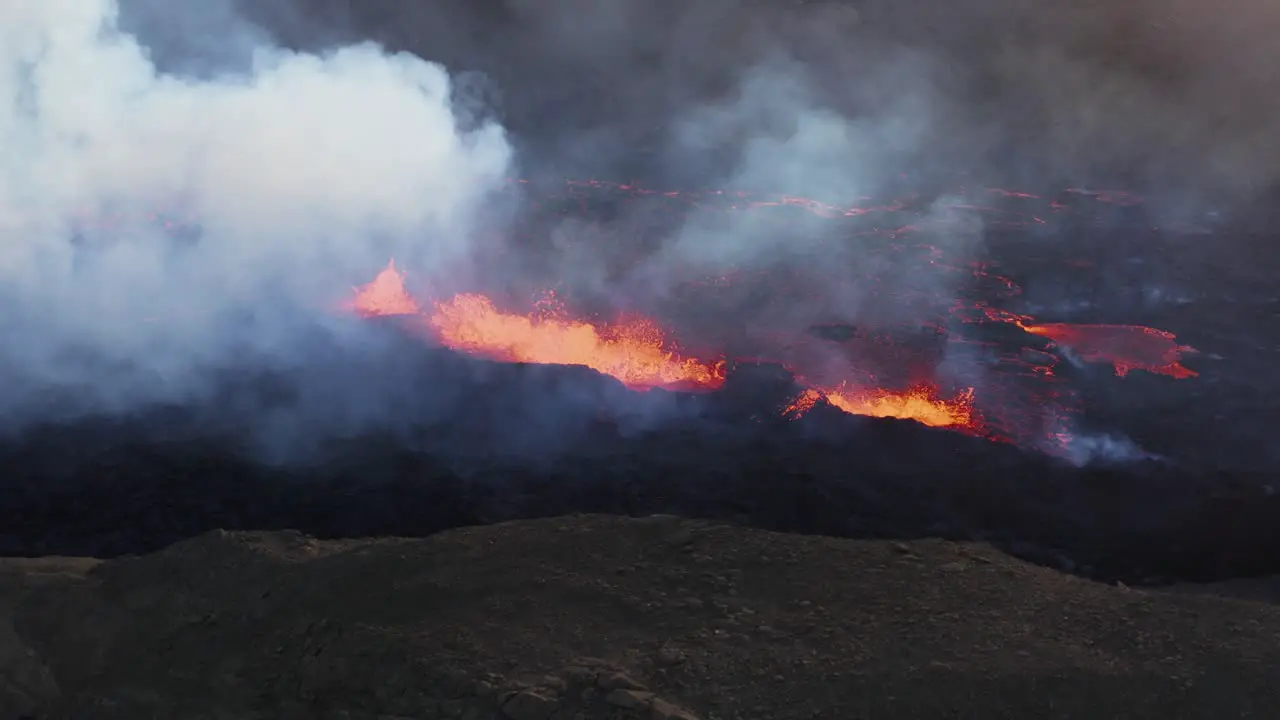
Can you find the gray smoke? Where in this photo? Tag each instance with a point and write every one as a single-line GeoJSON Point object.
{"type": "Point", "coordinates": [310, 156]}
{"type": "Point", "coordinates": [305, 173]}
{"type": "Point", "coordinates": [1177, 96]}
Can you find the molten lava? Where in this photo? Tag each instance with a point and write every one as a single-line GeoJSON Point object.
{"type": "Point", "coordinates": [385, 296]}
{"type": "Point", "coordinates": [1125, 347]}
{"type": "Point", "coordinates": [1024, 400]}
{"type": "Point", "coordinates": [920, 403]}
{"type": "Point", "coordinates": [634, 352]}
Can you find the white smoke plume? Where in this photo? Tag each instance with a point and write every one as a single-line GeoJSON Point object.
{"type": "Point", "coordinates": [1103, 448]}
{"type": "Point", "coordinates": [304, 173]}
{"type": "Point", "coordinates": [782, 136]}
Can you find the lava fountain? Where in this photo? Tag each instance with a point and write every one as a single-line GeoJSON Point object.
{"type": "Point", "coordinates": [920, 403]}
{"type": "Point", "coordinates": [635, 351]}
{"type": "Point", "coordinates": [1025, 407]}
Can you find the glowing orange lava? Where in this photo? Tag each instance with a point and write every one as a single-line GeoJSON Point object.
{"type": "Point", "coordinates": [634, 352]}
{"type": "Point", "coordinates": [639, 353]}
{"type": "Point", "coordinates": [920, 403]}
{"type": "Point", "coordinates": [1126, 347]}
{"type": "Point", "coordinates": [385, 296]}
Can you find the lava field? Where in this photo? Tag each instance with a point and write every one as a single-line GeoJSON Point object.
{"type": "Point", "coordinates": [1076, 385]}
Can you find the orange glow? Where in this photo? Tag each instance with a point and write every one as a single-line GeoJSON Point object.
{"type": "Point", "coordinates": [639, 352]}
{"type": "Point", "coordinates": [1126, 347]}
{"type": "Point", "coordinates": [385, 296]}
{"type": "Point", "coordinates": [634, 352]}
{"type": "Point", "coordinates": [920, 403]}
{"type": "Point", "coordinates": [803, 404]}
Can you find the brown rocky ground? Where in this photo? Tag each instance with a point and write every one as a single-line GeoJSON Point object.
{"type": "Point", "coordinates": [602, 617]}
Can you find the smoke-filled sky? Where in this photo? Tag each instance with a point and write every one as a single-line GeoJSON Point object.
{"type": "Point", "coordinates": [305, 171]}
{"type": "Point", "coordinates": [1180, 94]}
{"type": "Point", "coordinates": [310, 155]}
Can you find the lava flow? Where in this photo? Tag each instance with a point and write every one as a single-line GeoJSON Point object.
{"type": "Point", "coordinates": [385, 296]}
{"type": "Point", "coordinates": [635, 352]}
{"type": "Point", "coordinates": [1023, 400]}
{"type": "Point", "coordinates": [1125, 347]}
{"type": "Point", "coordinates": [920, 403]}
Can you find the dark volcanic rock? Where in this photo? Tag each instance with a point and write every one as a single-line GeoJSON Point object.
{"type": "Point", "coordinates": [725, 456]}
{"type": "Point", "coordinates": [594, 618]}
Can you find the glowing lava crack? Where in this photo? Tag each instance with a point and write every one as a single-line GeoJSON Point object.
{"type": "Point", "coordinates": [1026, 402]}
{"type": "Point", "coordinates": [920, 403]}
{"type": "Point", "coordinates": [635, 352]}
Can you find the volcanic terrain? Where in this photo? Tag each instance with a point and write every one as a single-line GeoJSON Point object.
{"type": "Point", "coordinates": [685, 361]}
{"type": "Point", "coordinates": [1045, 420]}
{"type": "Point", "coordinates": [603, 617]}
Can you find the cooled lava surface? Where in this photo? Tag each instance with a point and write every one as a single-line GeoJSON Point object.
{"type": "Point", "coordinates": [1054, 388]}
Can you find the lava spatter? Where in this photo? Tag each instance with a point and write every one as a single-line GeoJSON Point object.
{"type": "Point", "coordinates": [385, 296]}
{"type": "Point", "coordinates": [1022, 398]}
{"type": "Point", "coordinates": [921, 403]}
{"type": "Point", "coordinates": [635, 352]}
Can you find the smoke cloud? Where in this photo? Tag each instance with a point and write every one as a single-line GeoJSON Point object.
{"type": "Point", "coordinates": [1173, 98]}
{"type": "Point", "coordinates": [303, 171]}
{"type": "Point", "coordinates": [311, 140]}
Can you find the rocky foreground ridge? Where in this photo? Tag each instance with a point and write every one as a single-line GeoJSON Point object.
{"type": "Point", "coordinates": [601, 617]}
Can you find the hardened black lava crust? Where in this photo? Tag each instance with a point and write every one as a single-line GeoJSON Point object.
{"type": "Point", "coordinates": [106, 488]}
{"type": "Point", "coordinates": [466, 441]}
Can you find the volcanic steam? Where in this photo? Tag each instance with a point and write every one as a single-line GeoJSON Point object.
{"type": "Point", "coordinates": [298, 172]}
{"type": "Point", "coordinates": [302, 173]}
{"type": "Point", "coordinates": [907, 369]}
